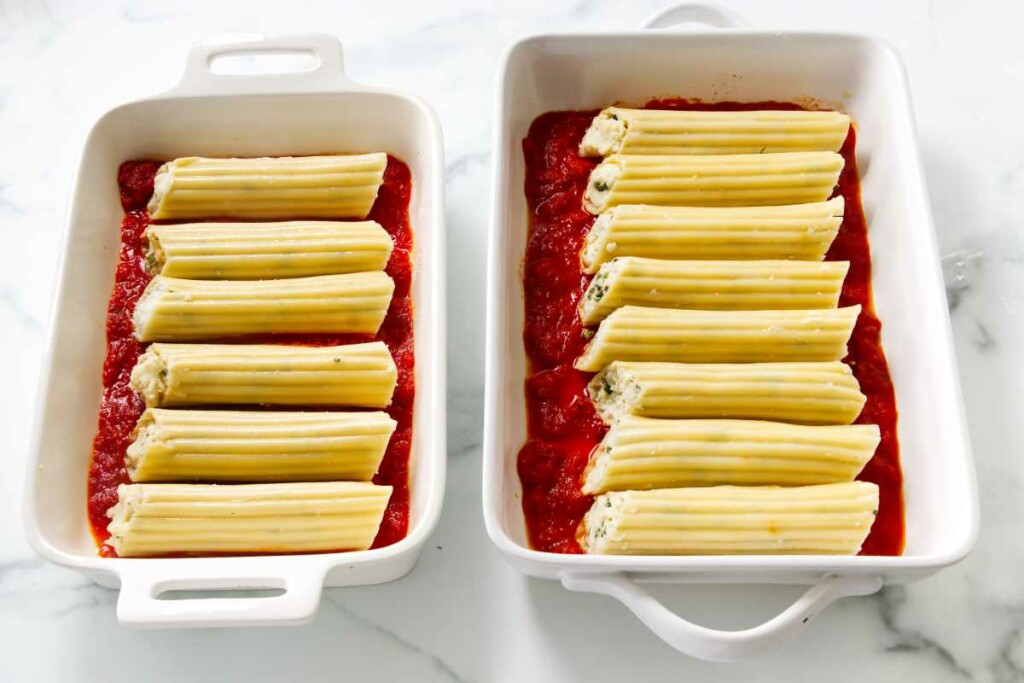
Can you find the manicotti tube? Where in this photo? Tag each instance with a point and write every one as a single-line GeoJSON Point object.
{"type": "Point", "coordinates": [173, 309]}
{"type": "Point", "coordinates": [719, 180]}
{"type": "Point", "coordinates": [264, 251]}
{"type": "Point", "coordinates": [191, 519]}
{"type": "Point", "coordinates": [802, 393]}
{"type": "Point", "coordinates": [338, 186]}
{"type": "Point", "coordinates": [800, 232]}
{"type": "Point", "coordinates": [257, 446]}
{"type": "Point", "coordinates": [648, 453]}
{"type": "Point", "coordinates": [829, 519]}
{"type": "Point", "coordinates": [362, 375]}
{"type": "Point", "coordinates": [712, 285]}
{"type": "Point", "coordinates": [618, 130]}
{"type": "Point", "coordinates": [633, 333]}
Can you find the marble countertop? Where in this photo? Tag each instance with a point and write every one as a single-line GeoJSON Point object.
{"type": "Point", "coordinates": [463, 614]}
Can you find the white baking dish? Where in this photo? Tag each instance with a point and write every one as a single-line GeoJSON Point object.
{"type": "Point", "coordinates": [866, 78]}
{"type": "Point", "coordinates": [315, 111]}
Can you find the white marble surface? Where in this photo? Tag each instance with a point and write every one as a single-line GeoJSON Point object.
{"type": "Point", "coordinates": [463, 614]}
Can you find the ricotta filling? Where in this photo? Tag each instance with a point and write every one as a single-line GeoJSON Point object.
{"type": "Point", "coordinates": [594, 243]}
{"type": "Point", "coordinates": [147, 302]}
{"type": "Point", "coordinates": [599, 186]}
{"type": "Point", "coordinates": [598, 288]}
{"type": "Point", "coordinates": [149, 377]}
{"type": "Point", "coordinates": [597, 468]}
{"type": "Point", "coordinates": [600, 524]}
{"type": "Point", "coordinates": [161, 186]}
{"type": "Point", "coordinates": [129, 499]}
{"type": "Point", "coordinates": [614, 392]}
{"type": "Point", "coordinates": [145, 432]}
{"type": "Point", "coordinates": [604, 136]}
{"type": "Point", "coordinates": [154, 254]}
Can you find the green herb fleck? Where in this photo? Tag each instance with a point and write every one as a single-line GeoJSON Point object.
{"type": "Point", "coordinates": [606, 385]}
{"type": "Point", "coordinates": [600, 186]}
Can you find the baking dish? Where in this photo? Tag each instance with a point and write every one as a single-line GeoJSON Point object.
{"type": "Point", "coordinates": [864, 77]}
{"type": "Point", "coordinates": [207, 113]}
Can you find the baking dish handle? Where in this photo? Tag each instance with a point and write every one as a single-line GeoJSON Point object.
{"type": "Point", "coordinates": [324, 52]}
{"type": "Point", "coordinates": [147, 596]}
{"type": "Point", "coordinates": [698, 13]}
{"type": "Point", "coordinates": [711, 644]}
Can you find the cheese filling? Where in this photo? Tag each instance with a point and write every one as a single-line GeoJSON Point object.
{"type": "Point", "coordinates": [598, 288]}
{"type": "Point", "coordinates": [144, 308]}
{"type": "Point", "coordinates": [145, 432]}
{"type": "Point", "coordinates": [129, 498]}
{"type": "Point", "coordinates": [600, 184]}
{"type": "Point", "coordinates": [614, 391]}
{"type": "Point", "coordinates": [161, 186]}
{"type": "Point", "coordinates": [149, 377]}
{"type": "Point", "coordinates": [604, 136]}
{"type": "Point", "coordinates": [594, 243]}
{"type": "Point", "coordinates": [600, 522]}
{"type": "Point", "coordinates": [154, 254]}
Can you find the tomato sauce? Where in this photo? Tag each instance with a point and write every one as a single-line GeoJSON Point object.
{"type": "Point", "coordinates": [563, 426]}
{"type": "Point", "coordinates": [121, 407]}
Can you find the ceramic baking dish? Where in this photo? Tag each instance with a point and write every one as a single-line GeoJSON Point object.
{"type": "Point", "coordinates": [866, 78]}
{"type": "Point", "coordinates": [314, 111]}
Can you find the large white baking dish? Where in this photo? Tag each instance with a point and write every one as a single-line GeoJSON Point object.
{"type": "Point", "coordinates": [314, 111]}
{"type": "Point", "coordinates": [866, 78]}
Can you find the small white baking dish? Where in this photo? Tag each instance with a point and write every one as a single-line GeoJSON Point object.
{"type": "Point", "coordinates": [865, 77]}
{"type": "Point", "coordinates": [314, 111]}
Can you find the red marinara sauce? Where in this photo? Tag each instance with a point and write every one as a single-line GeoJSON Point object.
{"type": "Point", "coordinates": [121, 406]}
{"type": "Point", "coordinates": [562, 425]}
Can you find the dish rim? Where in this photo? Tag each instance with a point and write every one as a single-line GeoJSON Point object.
{"type": "Point", "coordinates": [327, 79]}
{"type": "Point", "coordinates": [542, 562]}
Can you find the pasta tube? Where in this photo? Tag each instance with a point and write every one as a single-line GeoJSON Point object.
{"type": "Point", "coordinates": [804, 393]}
{"type": "Point", "coordinates": [257, 251]}
{"type": "Point", "coordinates": [802, 232]}
{"type": "Point", "coordinates": [661, 131]}
{"type": "Point", "coordinates": [830, 519]}
{"type": "Point", "coordinates": [221, 445]}
{"type": "Point", "coordinates": [231, 374]}
{"type": "Point", "coordinates": [646, 453]}
{"type": "Point", "coordinates": [712, 285]}
{"type": "Point", "coordinates": [721, 180]}
{"type": "Point", "coordinates": [173, 309]}
{"type": "Point", "coordinates": [269, 187]}
{"type": "Point", "coordinates": [664, 334]}
{"type": "Point", "coordinates": [190, 519]}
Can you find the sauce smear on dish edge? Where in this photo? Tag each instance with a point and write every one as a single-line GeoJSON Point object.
{"type": "Point", "coordinates": [562, 425]}
{"type": "Point", "coordinates": [121, 406]}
